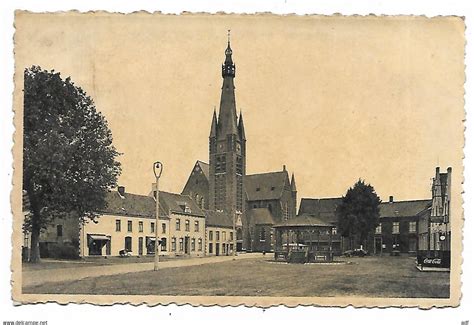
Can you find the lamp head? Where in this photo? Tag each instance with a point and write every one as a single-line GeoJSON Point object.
{"type": "Point", "coordinates": [157, 169]}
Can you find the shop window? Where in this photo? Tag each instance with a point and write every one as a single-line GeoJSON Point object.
{"type": "Point", "coordinates": [163, 244]}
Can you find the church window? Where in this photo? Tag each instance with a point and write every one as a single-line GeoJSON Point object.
{"type": "Point", "coordinates": [239, 166]}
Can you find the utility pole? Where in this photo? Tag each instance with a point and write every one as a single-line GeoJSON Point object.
{"type": "Point", "coordinates": [157, 170]}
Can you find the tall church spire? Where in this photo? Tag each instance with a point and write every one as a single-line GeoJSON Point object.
{"type": "Point", "coordinates": [227, 110]}
{"type": "Point", "coordinates": [241, 127]}
{"type": "Point", "coordinates": [213, 125]}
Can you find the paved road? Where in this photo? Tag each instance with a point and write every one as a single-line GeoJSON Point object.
{"type": "Point", "coordinates": [35, 277]}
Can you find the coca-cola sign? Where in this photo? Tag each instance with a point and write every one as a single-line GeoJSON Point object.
{"type": "Point", "coordinates": [432, 261]}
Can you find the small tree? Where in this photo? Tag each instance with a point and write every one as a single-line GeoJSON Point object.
{"type": "Point", "coordinates": [69, 162]}
{"type": "Point", "coordinates": [358, 214]}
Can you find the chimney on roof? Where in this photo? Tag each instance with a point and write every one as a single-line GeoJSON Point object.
{"type": "Point", "coordinates": [284, 167]}
{"type": "Point", "coordinates": [437, 171]}
{"type": "Point", "coordinates": [121, 190]}
{"type": "Point", "coordinates": [449, 170]}
{"type": "Point", "coordinates": [390, 199]}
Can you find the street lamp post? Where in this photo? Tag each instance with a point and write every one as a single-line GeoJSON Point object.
{"type": "Point", "coordinates": [234, 237]}
{"type": "Point", "coordinates": [157, 170]}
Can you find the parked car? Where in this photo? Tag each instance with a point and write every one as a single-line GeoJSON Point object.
{"type": "Point", "coordinates": [125, 253]}
{"type": "Point", "coordinates": [355, 252]}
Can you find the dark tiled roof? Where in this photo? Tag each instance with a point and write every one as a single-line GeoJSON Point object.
{"type": "Point", "coordinates": [172, 202]}
{"type": "Point", "coordinates": [218, 219]}
{"type": "Point", "coordinates": [261, 216]}
{"type": "Point", "coordinates": [133, 205]}
{"type": "Point", "coordinates": [305, 221]}
{"type": "Point", "coordinates": [266, 186]}
{"type": "Point", "coordinates": [403, 208]}
{"type": "Point", "coordinates": [204, 167]}
{"type": "Point", "coordinates": [325, 209]}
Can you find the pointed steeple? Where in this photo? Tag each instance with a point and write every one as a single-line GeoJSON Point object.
{"type": "Point", "coordinates": [293, 183]}
{"type": "Point", "coordinates": [241, 127]}
{"type": "Point", "coordinates": [213, 125]}
{"type": "Point", "coordinates": [227, 111]}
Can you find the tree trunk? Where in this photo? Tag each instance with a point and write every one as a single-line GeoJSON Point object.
{"type": "Point", "coordinates": [35, 252]}
{"type": "Point", "coordinates": [35, 219]}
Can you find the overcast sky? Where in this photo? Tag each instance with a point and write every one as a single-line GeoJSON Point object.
{"type": "Point", "coordinates": [333, 98]}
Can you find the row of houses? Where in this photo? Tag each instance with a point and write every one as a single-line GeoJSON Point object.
{"type": "Point", "coordinates": [187, 229]}
{"type": "Point", "coordinates": [129, 224]}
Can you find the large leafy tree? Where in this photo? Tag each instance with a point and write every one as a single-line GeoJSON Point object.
{"type": "Point", "coordinates": [358, 214]}
{"type": "Point", "coordinates": [69, 161]}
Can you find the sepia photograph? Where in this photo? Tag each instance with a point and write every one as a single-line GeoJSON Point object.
{"type": "Point", "coordinates": [238, 159]}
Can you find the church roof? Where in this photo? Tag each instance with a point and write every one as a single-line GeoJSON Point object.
{"type": "Point", "coordinates": [325, 209]}
{"type": "Point", "coordinates": [304, 221]}
{"type": "Point", "coordinates": [218, 219]}
{"type": "Point", "coordinates": [204, 167]}
{"type": "Point", "coordinates": [261, 216]}
{"type": "Point", "coordinates": [266, 186]}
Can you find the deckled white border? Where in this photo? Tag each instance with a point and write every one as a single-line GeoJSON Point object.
{"type": "Point", "coordinates": [127, 314]}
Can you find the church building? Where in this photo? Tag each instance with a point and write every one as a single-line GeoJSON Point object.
{"type": "Point", "coordinates": [254, 202]}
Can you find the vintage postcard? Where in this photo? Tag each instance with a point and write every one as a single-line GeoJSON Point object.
{"type": "Point", "coordinates": [249, 160]}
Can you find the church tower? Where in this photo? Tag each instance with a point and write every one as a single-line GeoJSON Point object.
{"type": "Point", "coordinates": [227, 149]}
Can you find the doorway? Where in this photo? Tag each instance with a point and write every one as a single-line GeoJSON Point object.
{"type": "Point", "coordinates": [186, 245]}
{"type": "Point", "coordinates": [217, 249]}
{"type": "Point", "coordinates": [140, 245]}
